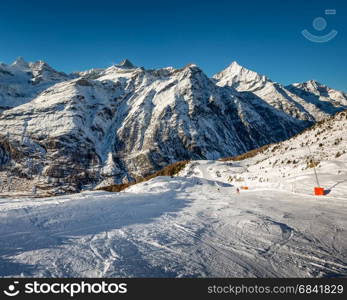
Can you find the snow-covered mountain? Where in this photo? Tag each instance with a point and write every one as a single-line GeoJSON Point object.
{"type": "Point", "coordinates": [196, 224]}
{"type": "Point", "coordinates": [307, 101]}
{"type": "Point", "coordinates": [115, 124]}
{"type": "Point", "coordinates": [323, 97]}
{"type": "Point", "coordinates": [21, 82]}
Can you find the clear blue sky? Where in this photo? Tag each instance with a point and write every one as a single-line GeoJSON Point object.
{"type": "Point", "coordinates": [261, 35]}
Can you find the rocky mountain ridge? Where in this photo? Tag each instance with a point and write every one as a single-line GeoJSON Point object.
{"type": "Point", "coordinates": [113, 125]}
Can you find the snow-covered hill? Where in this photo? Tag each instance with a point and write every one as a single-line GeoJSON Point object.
{"type": "Point", "coordinates": [112, 125]}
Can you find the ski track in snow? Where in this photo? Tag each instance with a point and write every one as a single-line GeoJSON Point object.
{"type": "Point", "coordinates": [193, 226]}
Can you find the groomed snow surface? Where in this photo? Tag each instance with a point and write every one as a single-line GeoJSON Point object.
{"type": "Point", "coordinates": [192, 225]}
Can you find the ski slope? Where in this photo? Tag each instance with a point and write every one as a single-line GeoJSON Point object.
{"type": "Point", "coordinates": [192, 225]}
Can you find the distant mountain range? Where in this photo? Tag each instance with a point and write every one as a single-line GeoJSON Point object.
{"type": "Point", "coordinates": [305, 101]}
{"type": "Point", "coordinates": [66, 132]}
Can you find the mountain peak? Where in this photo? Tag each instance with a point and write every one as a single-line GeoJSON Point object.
{"type": "Point", "coordinates": [40, 65]}
{"type": "Point", "coordinates": [240, 77]}
{"type": "Point", "coordinates": [190, 66]}
{"type": "Point", "coordinates": [192, 70]}
{"type": "Point", "coordinates": [20, 62]}
{"type": "Point", "coordinates": [126, 63]}
{"type": "Point", "coordinates": [311, 84]}
{"type": "Point", "coordinates": [314, 83]}
{"type": "Point", "coordinates": [235, 64]}
{"type": "Point", "coordinates": [236, 68]}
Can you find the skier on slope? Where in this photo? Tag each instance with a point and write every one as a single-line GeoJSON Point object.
{"type": "Point", "coordinates": [238, 190]}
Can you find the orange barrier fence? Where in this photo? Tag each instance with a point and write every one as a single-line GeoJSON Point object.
{"type": "Point", "coordinates": [244, 188]}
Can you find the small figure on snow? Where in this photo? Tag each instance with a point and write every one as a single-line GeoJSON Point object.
{"type": "Point", "coordinates": [238, 190]}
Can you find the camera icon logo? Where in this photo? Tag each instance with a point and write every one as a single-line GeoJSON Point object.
{"type": "Point", "coordinates": [320, 24]}
{"type": "Point", "coordinates": [12, 290]}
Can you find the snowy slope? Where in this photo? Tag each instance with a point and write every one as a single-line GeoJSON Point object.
{"type": "Point", "coordinates": [176, 227]}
